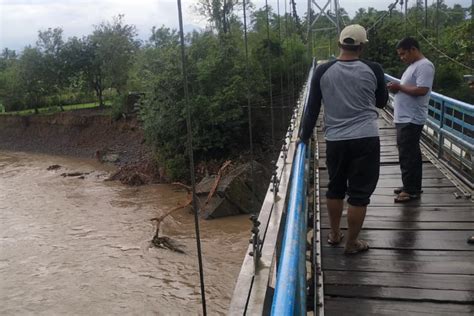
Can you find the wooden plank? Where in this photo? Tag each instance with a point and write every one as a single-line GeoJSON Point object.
{"type": "Point", "coordinates": [401, 261]}
{"type": "Point", "coordinates": [442, 199]}
{"type": "Point", "coordinates": [395, 181]}
{"type": "Point", "coordinates": [416, 240]}
{"type": "Point", "coordinates": [454, 282]}
{"type": "Point", "coordinates": [429, 171]}
{"type": "Point", "coordinates": [362, 307]}
{"type": "Point", "coordinates": [390, 225]}
{"type": "Point", "coordinates": [392, 182]}
{"type": "Point", "coordinates": [400, 293]}
{"type": "Point", "coordinates": [420, 214]}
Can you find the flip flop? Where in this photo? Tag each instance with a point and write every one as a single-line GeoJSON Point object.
{"type": "Point", "coordinates": [336, 240]}
{"type": "Point", "coordinates": [404, 197]}
{"type": "Point", "coordinates": [360, 246]}
{"type": "Point", "coordinates": [400, 190]}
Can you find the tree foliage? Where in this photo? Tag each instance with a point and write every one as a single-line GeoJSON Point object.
{"type": "Point", "coordinates": [221, 79]}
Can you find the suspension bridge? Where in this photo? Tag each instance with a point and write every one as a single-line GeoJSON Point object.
{"type": "Point", "coordinates": [419, 260]}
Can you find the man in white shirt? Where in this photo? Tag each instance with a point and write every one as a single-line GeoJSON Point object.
{"type": "Point", "coordinates": [412, 95]}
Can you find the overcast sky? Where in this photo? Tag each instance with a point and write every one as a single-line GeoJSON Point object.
{"type": "Point", "coordinates": [20, 20]}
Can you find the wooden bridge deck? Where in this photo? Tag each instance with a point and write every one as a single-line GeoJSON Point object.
{"type": "Point", "coordinates": [419, 262]}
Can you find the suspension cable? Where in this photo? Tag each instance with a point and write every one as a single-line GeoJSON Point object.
{"type": "Point", "coordinates": [390, 8]}
{"type": "Point", "coordinates": [340, 16]}
{"type": "Point", "coordinates": [270, 76]}
{"type": "Point", "coordinates": [409, 21]}
{"type": "Point", "coordinates": [191, 158]}
{"type": "Point", "coordinates": [280, 59]}
{"type": "Point", "coordinates": [438, 50]}
{"type": "Point", "coordinates": [288, 58]}
{"type": "Point", "coordinates": [256, 250]}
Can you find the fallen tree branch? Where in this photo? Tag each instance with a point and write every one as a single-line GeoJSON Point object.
{"type": "Point", "coordinates": [216, 184]}
{"type": "Point", "coordinates": [165, 241]}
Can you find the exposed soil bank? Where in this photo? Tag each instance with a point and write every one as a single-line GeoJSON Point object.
{"type": "Point", "coordinates": [87, 133]}
{"type": "Point", "coordinates": [80, 133]}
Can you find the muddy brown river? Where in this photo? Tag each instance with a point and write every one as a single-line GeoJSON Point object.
{"type": "Point", "coordinates": [71, 246]}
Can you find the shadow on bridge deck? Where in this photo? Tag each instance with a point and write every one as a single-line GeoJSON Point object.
{"type": "Point", "coordinates": [419, 261]}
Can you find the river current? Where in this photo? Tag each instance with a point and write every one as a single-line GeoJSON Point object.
{"type": "Point", "coordinates": [81, 246]}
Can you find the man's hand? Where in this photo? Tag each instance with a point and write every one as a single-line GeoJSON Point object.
{"type": "Point", "coordinates": [393, 87]}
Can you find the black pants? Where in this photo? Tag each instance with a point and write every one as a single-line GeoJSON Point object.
{"type": "Point", "coordinates": [353, 168]}
{"type": "Point", "coordinates": [409, 154]}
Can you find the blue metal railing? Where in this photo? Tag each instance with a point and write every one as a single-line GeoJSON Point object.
{"type": "Point", "coordinates": [451, 120]}
{"type": "Point", "coordinates": [290, 289]}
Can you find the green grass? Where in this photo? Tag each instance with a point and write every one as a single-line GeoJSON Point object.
{"type": "Point", "coordinates": [56, 109]}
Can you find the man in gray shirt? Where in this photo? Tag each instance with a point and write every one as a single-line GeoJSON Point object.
{"type": "Point", "coordinates": [351, 89]}
{"type": "Point", "coordinates": [412, 95]}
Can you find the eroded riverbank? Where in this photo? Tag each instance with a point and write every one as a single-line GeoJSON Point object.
{"type": "Point", "coordinates": [82, 246]}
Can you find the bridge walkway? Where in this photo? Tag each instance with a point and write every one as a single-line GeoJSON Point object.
{"type": "Point", "coordinates": [419, 261]}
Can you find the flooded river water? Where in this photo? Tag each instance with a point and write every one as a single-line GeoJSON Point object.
{"type": "Point", "coordinates": [71, 246]}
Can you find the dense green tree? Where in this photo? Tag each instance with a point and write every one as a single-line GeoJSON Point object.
{"type": "Point", "coordinates": [50, 44]}
{"type": "Point", "coordinates": [112, 46]}
{"type": "Point", "coordinates": [220, 13]}
{"type": "Point", "coordinates": [11, 89]}
{"type": "Point", "coordinates": [163, 37]}
{"type": "Point", "coordinates": [31, 69]}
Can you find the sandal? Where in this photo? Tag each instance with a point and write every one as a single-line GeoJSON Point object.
{"type": "Point", "coordinates": [360, 246]}
{"type": "Point", "coordinates": [470, 240]}
{"type": "Point", "coordinates": [334, 240]}
{"type": "Point", "coordinates": [404, 197]}
{"type": "Point", "coordinates": [400, 190]}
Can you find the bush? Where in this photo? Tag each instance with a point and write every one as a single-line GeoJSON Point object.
{"type": "Point", "coordinates": [118, 107]}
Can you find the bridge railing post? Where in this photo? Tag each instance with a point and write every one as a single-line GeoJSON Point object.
{"type": "Point", "coordinates": [440, 133]}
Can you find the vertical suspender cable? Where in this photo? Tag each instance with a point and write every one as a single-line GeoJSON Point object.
{"type": "Point", "coordinates": [270, 75]}
{"type": "Point", "coordinates": [249, 107]}
{"type": "Point", "coordinates": [290, 93]}
{"type": "Point", "coordinates": [281, 71]}
{"type": "Point", "coordinates": [426, 14]}
{"type": "Point", "coordinates": [309, 37]}
{"type": "Point", "coordinates": [224, 22]}
{"type": "Point", "coordinates": [416, 16]}
{"type": "Point", "coordinates": [406, 17]}
{"type": "Point", "coordinates": [437, 21]}
{"type": "Point", "coordinates": [336, 8]}
{"type": "Point", "coordinates": [191, 158]}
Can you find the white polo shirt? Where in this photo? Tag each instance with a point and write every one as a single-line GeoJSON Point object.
{"type": "Point", "coordinates": [414, 109]}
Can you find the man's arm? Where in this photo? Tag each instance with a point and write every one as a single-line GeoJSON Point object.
{"type": "Point", "coordinates": [410, 90]}
{"type": "Point", "coordinates": [381, 93]}
{"type": "Point", "coordinates": [424, 82]}
{"type": "Point", "coordinates": [313, 107]}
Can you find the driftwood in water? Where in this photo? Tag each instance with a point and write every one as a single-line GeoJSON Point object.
{"type": "Point", "coordinates": [166, 242]}
{"type": "Point", "coordinates": [233, 194]}
{"type": "Point", "coordinates": [74, 174]}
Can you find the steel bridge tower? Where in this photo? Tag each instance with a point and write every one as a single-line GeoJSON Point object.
{"type": "Point", "coordinates": [324, 12]}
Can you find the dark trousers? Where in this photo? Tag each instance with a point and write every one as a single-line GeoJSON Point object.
{"type": "Point", "coordinates": [353, 167]}
{"type": "Point", "coordinates": [409, 154]}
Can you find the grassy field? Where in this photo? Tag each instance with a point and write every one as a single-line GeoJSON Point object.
{"type": "Point", "coordinates": [56, 109]}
